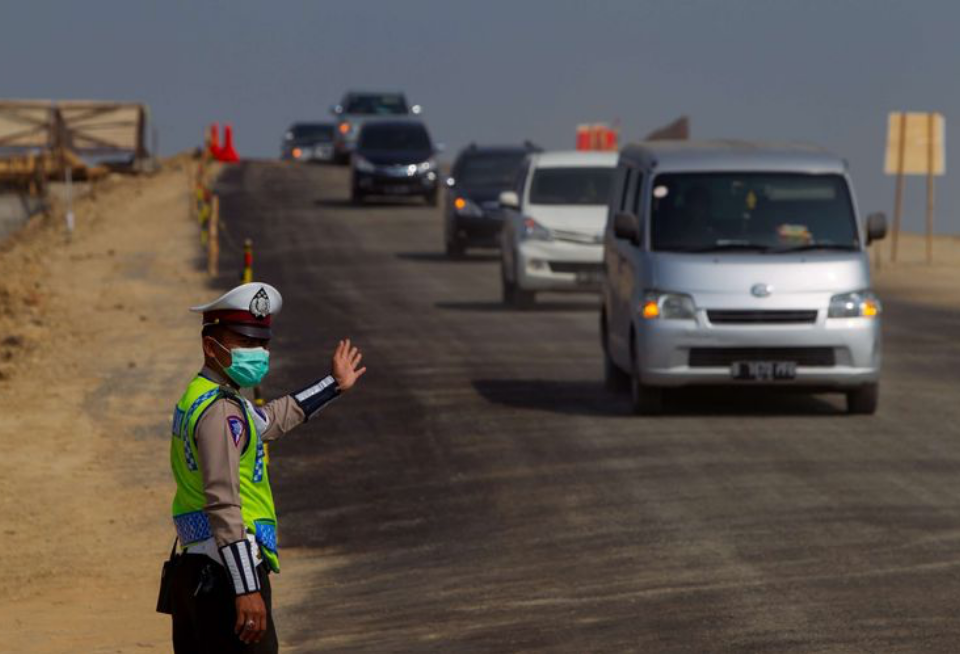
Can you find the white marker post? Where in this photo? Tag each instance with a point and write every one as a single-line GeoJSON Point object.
{"type": "Point", "coordinates": [69, 215]}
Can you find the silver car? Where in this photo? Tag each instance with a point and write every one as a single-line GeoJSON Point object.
{"type": "Point", "coordinates": [729, 263]}
{"type": "Point", "coordinates": [358, 107]}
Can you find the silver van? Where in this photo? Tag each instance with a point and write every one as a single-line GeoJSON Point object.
{"type": "Point", "coordinates": [733, 263]}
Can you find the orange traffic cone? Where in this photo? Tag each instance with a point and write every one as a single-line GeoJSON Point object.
{"type": "Point", "coordinates": [227, 152]}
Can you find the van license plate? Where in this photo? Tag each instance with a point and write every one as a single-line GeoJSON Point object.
{"type": "Point", "coordinates": [763, 370]}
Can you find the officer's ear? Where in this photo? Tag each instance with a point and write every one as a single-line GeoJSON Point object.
{"type": "Point", "coordinates": [211, 343]}
{"type": "Point", "coordinates": [209, 347]}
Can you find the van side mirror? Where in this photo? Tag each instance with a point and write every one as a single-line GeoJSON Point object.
{"type": "Point", "coordinates": [510, 200]}
{"type": "Point", "coordinates": [876, 227]}
{"type": "Point", "coordinates": [625, 227]}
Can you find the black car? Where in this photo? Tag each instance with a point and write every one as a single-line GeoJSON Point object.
{"type": "Point", "coordinates": [395, 158]}
{"type": "Point", "coordinates": [472, 216]}
{"type": "Point", "coordinates": [308, 142]}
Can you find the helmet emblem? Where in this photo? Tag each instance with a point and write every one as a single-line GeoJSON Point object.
{"type": "Point", "coordinates": [260, 304]}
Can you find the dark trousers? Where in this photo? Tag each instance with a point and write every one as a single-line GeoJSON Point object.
{"type": "Point", "coordinates": [203, 622]}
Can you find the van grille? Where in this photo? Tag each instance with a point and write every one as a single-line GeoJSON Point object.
{"type": "Point", "coordinates": [721, 357]}
{"type": "Point", "coordinates": [746, 317]}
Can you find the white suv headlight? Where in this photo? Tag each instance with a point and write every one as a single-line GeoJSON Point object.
{"type": "Point", "coordinates": [858, 304]}
{"type": "Point", "coordinates": [427, 166]}
{"type": "Point", "coordinates": [534, 231]}
{"type": "Point", "coordinates": [363, 165]}
{"type": "Point", "coordinates": [667, 306]}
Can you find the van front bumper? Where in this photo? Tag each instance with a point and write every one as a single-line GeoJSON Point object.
{"type": "Point", "coordinates": [831, 353]}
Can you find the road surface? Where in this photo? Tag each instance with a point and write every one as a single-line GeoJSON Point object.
{"type": "Point", "coordinates": [482, 493]}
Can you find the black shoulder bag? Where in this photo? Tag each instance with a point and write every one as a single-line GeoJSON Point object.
{"type": "Point", "coordinates": [164, 601]}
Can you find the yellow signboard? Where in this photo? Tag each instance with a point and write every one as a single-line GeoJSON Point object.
{"type": "Point", "coordinates": [910, 136]}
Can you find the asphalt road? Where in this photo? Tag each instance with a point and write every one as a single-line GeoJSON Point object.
{"type": "Point", "coordinates": [482, 493]}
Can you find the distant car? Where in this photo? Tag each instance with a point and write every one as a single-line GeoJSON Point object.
{"type": "Point", "coordinates": [308, 142]}
{"type": "Point", "coordinates": [552, 237]}
{"type": "Point", "coordinates": [472, 215]}
{"type": "Point", "coordinates": [356, 108]}
{"type": "Point", "coordinates": [394, 158]}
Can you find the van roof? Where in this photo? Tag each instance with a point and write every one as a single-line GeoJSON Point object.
{"type": "Point", "coordinates": [574, 158]}
{"type": "Point", "coordinates": [681, 156]}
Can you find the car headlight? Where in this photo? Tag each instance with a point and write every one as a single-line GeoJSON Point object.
{"type": "Point", "coordinates": [466, 207]}
{"type": "Point", "coordinates": [534, 231]}
{"type": "Point", "coordinates": [362, 164]}
{"type": "Point", "coordinates": [426, 166]}
{"type": "Point", "coordinates": [667, 306]}
{"type": "Point", "coordinates": [858, 304]}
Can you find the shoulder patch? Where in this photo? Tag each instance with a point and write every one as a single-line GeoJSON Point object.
{"type": "Point", "coordinates": [237, 429]}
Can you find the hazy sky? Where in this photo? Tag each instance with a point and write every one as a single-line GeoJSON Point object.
{"type": "Point", "coordinates": [501, 71]}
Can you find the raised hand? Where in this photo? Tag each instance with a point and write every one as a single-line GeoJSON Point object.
{"type": "Point", "coordinates": [346, 358]}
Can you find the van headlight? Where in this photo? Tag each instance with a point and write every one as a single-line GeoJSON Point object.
{"type": "Point", "coordinates": [858, 304]}
{"type": "Point", "coordinates": [667, 306]}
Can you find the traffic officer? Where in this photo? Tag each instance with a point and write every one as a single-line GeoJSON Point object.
{"type": "Point", "coordinates": [223, 510]}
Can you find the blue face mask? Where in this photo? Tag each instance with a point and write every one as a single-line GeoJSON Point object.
{"type": "Point", "coordinates": [249, 365]}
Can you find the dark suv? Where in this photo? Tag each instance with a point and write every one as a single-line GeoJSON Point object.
{"type": "Point", "coordinates": [396, 158]}
{"type": "Point", "coordinates": [472, 216]}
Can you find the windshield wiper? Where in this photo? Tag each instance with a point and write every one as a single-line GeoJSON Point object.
{"type": "Point", "coordinates": [816, 246]}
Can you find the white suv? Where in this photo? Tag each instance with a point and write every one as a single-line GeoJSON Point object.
{"type": "Point", "coordinates": [552, 238]}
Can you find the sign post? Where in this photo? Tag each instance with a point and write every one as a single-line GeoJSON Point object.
{"type": "Point", "coordinates": [915, 146]}
{"type": "Point", "coordinates": [930, 165]}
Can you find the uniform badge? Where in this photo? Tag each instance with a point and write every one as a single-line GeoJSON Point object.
{"type": "Point", "coordinates": [260, 304]}
{"type": "Point", "coordinates": [237, 429]}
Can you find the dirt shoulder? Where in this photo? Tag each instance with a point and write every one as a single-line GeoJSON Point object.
{"type": "Point", "coordinates": [95, 347]}
{"type": "Point", "coordinates": [913, 279]}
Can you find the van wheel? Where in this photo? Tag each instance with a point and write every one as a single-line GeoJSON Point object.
{"type": "Point", "coordinates": [863, 400]}
{"type": "Point", "coordinates": [614, 379]}
{"type": "Point", "coordinates": [644, 400]}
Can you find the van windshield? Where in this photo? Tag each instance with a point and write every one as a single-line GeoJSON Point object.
{"type": "Point", "coordinates": [764, 212]}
